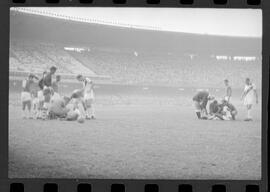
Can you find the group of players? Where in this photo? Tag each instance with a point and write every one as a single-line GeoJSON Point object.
{"type": "Point", "coordinates": [47, 103]}
{"type": "Point", "coordinates": [225, 110]}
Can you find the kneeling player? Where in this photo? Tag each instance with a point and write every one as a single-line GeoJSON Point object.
{"type": "Point", "coordinates": [230, 107]}
{"type": "Point", "coordinates": [215, 110]}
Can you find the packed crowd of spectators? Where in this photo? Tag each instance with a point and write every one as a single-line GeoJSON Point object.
{"type": "Point", "coordinates": [132, 67]}
{"type": "Point", "coordinates": [35, 57]}
{"type": "Point", "coordinates": [168, 69]}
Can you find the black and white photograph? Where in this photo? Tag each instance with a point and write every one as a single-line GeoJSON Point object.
{"type": "Point", "coordinates": [135, 93]}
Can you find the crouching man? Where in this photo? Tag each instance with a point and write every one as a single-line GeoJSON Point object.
{"type": "Point", "coordinates": [215, 111]}
{"type": "Point", "coordinates": [200, 102]}
{"type": "Point", "coordinates": [229, 109]}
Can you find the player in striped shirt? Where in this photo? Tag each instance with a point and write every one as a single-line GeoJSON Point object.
{"type": "Point", "coordinates": [88, 96]}
{"type": "Point", "coordinates": [249, 96]}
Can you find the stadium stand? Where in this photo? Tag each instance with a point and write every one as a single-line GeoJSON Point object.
{"type": "Point", "coordinates": [38, 57]}
{"type": "Point", "coordinates": [129, 55]}
{"type": "Point", "coordinates": [167, 69]}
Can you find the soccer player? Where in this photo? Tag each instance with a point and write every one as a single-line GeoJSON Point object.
{"type": "Point", "coordinates": [47, 91]}
{"type": "Point", "coordinates": [58, 109]}
{"type": "Point", "coordinates": [228, 90]}
{"type": "Point", "coordinates": [230, 107]}
{"type": "Point", "coordinates": [215, 111]}
{"type": "Point", "coordinates": [88, 96]}
{"type": "Point", "coordinates": [40, 96]}
{"type": "Point", "coordinates": [200, 102]}
{"type": "Point", "coordinates": [26, 95]}
{"type": "Point", "coordinates": [214, 107]}
{"type": "Point", "coordinates": [47, 80]}
{"type": "Point", "coordinates": [35, 104]}
{"type": "Point", "coordinates": [55, 86]}
{"type": "Point", "coordinates": [249, 95]}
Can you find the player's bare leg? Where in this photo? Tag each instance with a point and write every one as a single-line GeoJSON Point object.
{"type": "Point", "coordinates": [249, 117]}
{"type": "Point", "coordinates": [29, 106]}
{"type": "Point", "coordinates": [24, 115]}
{"type": "Point", "coordinates": [90, 111]}
{"type": "Point", "coordinates": [197, 109]}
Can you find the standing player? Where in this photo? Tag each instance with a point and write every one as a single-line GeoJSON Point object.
{"type": "Point", "coordinates": [47, 89]}
{"type": "Point", "coordinates": [26, 97]}
{"type": "Point", "coordinates": [40, 96]}
{"type": "Point", "coordinates": [47, 81]}
{"type": "Point", "coordinates": [55, 86]}
{"type": "Point", "coordinates": [228, 90]}
{"type": "Point", "coordinates": [200, 102]}
{"type": "Point", "coordinates": [249, 95]}
{"type": "Point", "coordinates": [88, 96]}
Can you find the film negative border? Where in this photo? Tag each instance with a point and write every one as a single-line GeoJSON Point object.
{"type": "Point", "coordinates": [82, 185]}
{"type": "Point", "coordinates": [142, 3]}
{"type": "Point", "coordinates": [40, 185]}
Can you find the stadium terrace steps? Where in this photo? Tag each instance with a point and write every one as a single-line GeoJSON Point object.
{"type": "Point", "coordinates": [123, 66]}
{"type": "Point", "coordinates": [33, 57]}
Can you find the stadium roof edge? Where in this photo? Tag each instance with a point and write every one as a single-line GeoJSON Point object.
{"type": "Point", "coordinates": [126, 26]}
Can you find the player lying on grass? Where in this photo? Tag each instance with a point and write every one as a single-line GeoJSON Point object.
{"type": "Point", "coordinates": [200, 102]}
{"type": "Point", "coordinates": [223, 111]}
{"type": "Point", "coordinates": [26, 97]}
{"type": "Point", "coordinates": [67, 108]}
{"type": "Point", "coordinates": [88, 96]}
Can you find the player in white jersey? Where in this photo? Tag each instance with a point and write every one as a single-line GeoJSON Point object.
{"type": "Point", "coordinates": [26, 98]}
{"type": "Point", "coordinates": [249, 96]}
{"type": "Point", "coordinates": [88, 96]}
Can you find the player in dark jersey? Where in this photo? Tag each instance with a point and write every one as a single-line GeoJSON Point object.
{"type": "Point", "coordinates": [200, 102]}
{"type": "Point", "coordinates": [48, 78]}
{"type": "Point", "coordinates": [215, 110]}
{"type": "Point", "coordinates": [214, 107]}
